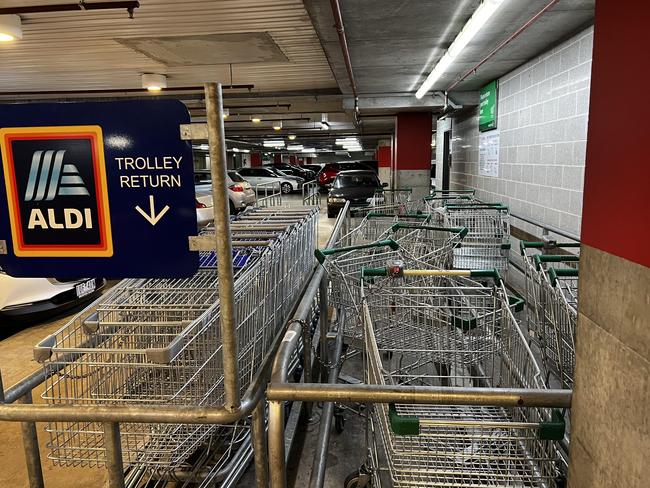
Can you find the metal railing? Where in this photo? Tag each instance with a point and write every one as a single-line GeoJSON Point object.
{"type": "Point", "coordinates": [547, 228]}
{"type": "Point", "coordinates": [272, 194]}
{"type": "Point", "coordinates": [310, 193]}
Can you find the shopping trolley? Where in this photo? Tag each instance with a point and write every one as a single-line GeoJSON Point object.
{"type": "Point", "coordinates": [552, 289]}
{"type": "Point", "coordinates": [411, 243]}
{"type": "Point", "coordinates": [487, 243]}
{"type": "Point", "coordinates": [452, 329]}
{"type": "Point", "coordinates": [158, 342]}
{"type": "Point", "coordinates": [439, 198]}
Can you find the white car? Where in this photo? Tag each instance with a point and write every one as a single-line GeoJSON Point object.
{"type": "Point", "coordinates": [20, 297]}
{"type": "Point", "coordinates": [240, 194]}
{"type": "Point", "coordinates": [262, 175]}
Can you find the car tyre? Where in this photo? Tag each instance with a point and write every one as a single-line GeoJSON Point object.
{"type": "Point", "coordinates": [231, 205]}
{"type": "Point", "coordinates": [286, 188]}
{"type": "Point", "coordinates": [331, 213]}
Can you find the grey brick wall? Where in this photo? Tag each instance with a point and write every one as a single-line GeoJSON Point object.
{"type": "Point", "coordinates": [543, 112]}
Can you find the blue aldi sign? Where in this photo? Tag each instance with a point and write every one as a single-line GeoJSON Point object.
{"type": "Point", "coordinates": [96, 189]}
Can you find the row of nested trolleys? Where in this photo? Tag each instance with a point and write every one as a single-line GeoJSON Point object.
{"type": "Point", "coordinates": [424, 322]}
{"type": "Point", "coordinates": [157, 342]}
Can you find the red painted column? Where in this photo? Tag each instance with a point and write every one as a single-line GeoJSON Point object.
{"type": "Point", "coordinates": [256, 159]}
{"type": "Point", "coordinates": [292, 159]}
{"type": "Point", "coordinates": [413, 150]}
{"type": "Point", "coordinates": [609, 414]}
{"type": "Point", "coordinates": [384, 155]}
{"type": "Point", "coordinates": [277, 158]}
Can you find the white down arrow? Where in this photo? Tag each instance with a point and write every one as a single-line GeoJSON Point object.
{"type": "Point", "coordinates": [151, 217]}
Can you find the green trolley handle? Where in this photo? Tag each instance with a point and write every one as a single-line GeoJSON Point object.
{"type": "Point", "coordinates": [412, 215]}
{"type": "Point", "coordinates": [402, 225]}
{"type": "Point", "coordinates": [555, 273]}
{"type": "Point", "coordinates": [553, 258]}
{"type": "Point", "coordinates": [523, 245]}
{"type": "Point", "coordinates": [478, 206]}
{"type": "Point", "coordinates": [321, 254]}
{"type": "Point", "coordinates": [553, 430]}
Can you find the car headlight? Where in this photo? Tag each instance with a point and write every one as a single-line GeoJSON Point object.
{"type": "Point", "coordinates": [335, 200]}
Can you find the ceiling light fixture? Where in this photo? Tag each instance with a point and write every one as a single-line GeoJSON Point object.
{"type": "Point", "coordinates": [274, 143]}
{"type": "Point", "coordinates": [292, 137]}
{"type": "Point", "coordinates": [295, 147]}
{"type": "Point", "coordinates": [481, 15]}
{"type": "Point", "coordinates": [255, 119]}
{"type": "Point", "coordinates": [154, 82]}
{"type": "Point", "coordinates": [10, 28]}
{"type": "Point", "coordinates": [324, 122]}
{"type": "Point", "coordinates": [308, 149]}
{"type": "Point", "coordinates": [277, 125]}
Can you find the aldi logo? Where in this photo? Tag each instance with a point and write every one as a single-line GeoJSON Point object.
{"type": "Point", "coordinates": [55, 180]}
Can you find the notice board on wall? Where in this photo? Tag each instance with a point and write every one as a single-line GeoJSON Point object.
{"type": "Point", "coordinates": [488, 153]}
{"type": "Point", "coordinates": [487, 116]}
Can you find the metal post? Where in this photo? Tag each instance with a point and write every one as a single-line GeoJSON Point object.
{"type": "Point", "coordinates": [2, 390]}
{"type": "Point", "coordinates": [277, 465]}
{"type": "Point", "coordinates": [324, 326]}
{"type": "Point", "coordinates": [259, 446]}
{"type": "Point", "coordinates": [217, 143]}
{"type": "Point", "coordinates": [317, 478]}
{"type": "Point", "coordinates": [113, 446]}
{"type": "Point", "coordinates": [30, 444]}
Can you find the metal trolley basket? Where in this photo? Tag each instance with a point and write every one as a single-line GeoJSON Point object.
{"type": "Point", "coordinates": [158, 342]}
{"type": "Point", "coordinates": [552, 291]}
{"type": "Point", "coordinates": [442, 328]}
{"type": "Point", "coordinates": [487, 244]}
{"type": "Point", "coordinates": [413, 244]}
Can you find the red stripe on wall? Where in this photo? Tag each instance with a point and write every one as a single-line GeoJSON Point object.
{"type": "Point", "coordinates": [616, 209]}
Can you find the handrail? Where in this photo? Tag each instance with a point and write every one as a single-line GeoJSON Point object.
{"type": "Point", "coordinates": [310, 193]}
{"type": "Point", "coordinates": [555, 230]}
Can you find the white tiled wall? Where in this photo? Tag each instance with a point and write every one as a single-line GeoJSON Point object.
{"type": "Point", "coordinates": [543, 111]}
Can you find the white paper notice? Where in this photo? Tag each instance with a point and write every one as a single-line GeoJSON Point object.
{"type": "Point", "coordinates": [488, 153]}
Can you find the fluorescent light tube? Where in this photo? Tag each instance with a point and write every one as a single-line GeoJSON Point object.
{"type": "Point", "coordinates": [481, 15]}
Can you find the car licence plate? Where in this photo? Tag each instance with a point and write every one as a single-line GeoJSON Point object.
{"type": "Point", "coordinates": [85, 288]}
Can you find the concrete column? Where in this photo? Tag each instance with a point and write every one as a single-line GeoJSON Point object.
{"type": "Point", "coordinates": [256, 159]}
{"type": "Point", "coordinates": [610, 435]}
{"type": "Point", "coordinates": [413, 151]}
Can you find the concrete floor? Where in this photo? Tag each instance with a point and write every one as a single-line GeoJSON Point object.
{"type": "Point", "coordinates": [16, 344]}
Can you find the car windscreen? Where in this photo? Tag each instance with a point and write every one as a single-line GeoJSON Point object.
{"type": "Point", "coordinates": [202, 178]}
{"type": "Point", "coordinates": [236, 177]}
{"type": "Point", "coordinates": [349, 181]}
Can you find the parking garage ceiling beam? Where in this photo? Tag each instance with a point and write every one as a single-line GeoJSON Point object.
{"type": "Point", "coordinates": [400, 101]}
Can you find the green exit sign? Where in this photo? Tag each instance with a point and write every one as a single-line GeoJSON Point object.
{"type": "Point", "coordinates": [487, 112]}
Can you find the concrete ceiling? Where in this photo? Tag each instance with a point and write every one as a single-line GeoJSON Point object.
{"type": "Point", "coordinates": [290, 54]}
{"type": "Point", "coordinates": [394, 45]}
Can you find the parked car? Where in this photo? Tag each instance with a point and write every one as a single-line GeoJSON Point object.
{"type": "Point", "coordinates": [328, 174]}
{"type": "Point", "coordinates": [316, 168]}
{"type": "Point", "coordinates": [240, 195]}
{"type": "Point", "coordinates": [32, 297]}
{"type": "Point", "coordinates": [267, 174]}
{"type": "Point", "coordinates": [294, 170]}
{"type": "Point", "coordinates": [357, 186]}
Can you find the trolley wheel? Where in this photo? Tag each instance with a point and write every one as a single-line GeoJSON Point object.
{"type": "Point", "coordinates": [357, 479]}
{"type": "Point", "coordinates": [339, 423]}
